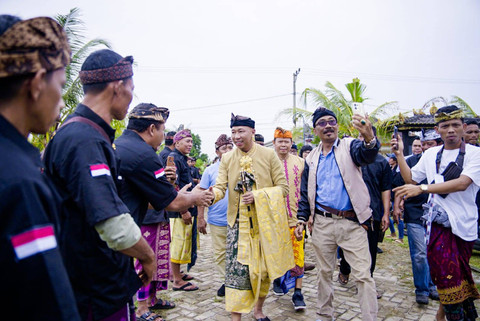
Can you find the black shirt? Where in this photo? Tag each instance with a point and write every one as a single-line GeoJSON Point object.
{"type": "Point", "coordinates": [28, 219]}
{"type": "Point", "coordinates": [143, 177]}
{"type": "Point", "coordinates": [378, 178]}
{"type": "Point", "coordinates": [83, 166]}
{"type": "Point", "coordinates": [163, 155]}
{"type": "Point", "coordinates": [412, 206]}
{"type": "Point", "coordinates": [184, 177]}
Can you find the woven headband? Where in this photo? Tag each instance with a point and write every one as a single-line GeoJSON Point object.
{"type": "Point", "coordinates": [456, 114]}
{"type": "Point", "coordinates": [30, 45]}
{"type": "Point", "coordinates": [121, 70]}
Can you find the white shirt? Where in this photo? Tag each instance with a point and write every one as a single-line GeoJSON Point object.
{"type": "Point", "coordinates": [460, 206]}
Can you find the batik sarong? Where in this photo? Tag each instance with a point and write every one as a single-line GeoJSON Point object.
{"type": "Point", "coordinates": [448, 258]}
{"type": "Point", "coordinates": [239, 295]}
{"type": "Point", "coordinates": [158, 237]}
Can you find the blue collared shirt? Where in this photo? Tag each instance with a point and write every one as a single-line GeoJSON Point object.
{"type": "Point", "coordinates": [330, 188]}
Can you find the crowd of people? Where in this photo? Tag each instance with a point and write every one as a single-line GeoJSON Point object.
{"type": "Point", "coordinates": [99, 222]}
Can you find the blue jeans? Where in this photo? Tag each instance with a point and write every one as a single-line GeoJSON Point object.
{"type": "Point", "coordinates": [401, 228]}
{"type": "Point", "coordinates": [418, 253]}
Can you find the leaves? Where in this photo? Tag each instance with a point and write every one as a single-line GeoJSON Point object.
{"type": "Point", "coordinates": [72, 91]}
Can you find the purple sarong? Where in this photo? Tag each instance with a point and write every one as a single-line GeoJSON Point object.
{"type": "Point", "coordinates": [448, 258]}
{"type": "Point", "coordinates": [158, 237]}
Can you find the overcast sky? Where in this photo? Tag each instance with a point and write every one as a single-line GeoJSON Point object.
{"type": "Point", "coordinates": [206, 59]}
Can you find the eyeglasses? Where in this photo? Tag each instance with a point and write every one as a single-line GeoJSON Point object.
{"type": "Point", "coordinates": [323, 123]}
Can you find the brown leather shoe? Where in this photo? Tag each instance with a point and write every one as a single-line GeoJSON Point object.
{"type": "Point", "coordinates": [308, 266]}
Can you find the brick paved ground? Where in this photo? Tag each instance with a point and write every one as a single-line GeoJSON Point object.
{"type": "Point", "coordinates": [392, 276]}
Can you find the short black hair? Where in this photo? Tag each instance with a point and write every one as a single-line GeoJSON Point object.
{"type": "Point", "coordinates": [99, 59]}
{"type": "Point", "coordinates": [304, 149]}
{"type": "Point", "coordinates": [471, 122]}
{"type": "Point", "coordinates": [141, 125]}
{"type": "Point", "coordinates": [169, 141]}
{"type": "Point", "coordinates": [259, 138]}
{"type": "Point", "coordinates": [416, 138]}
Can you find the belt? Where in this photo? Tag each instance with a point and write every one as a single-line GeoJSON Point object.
{"type": "Point", "coordinates": [344, 214]}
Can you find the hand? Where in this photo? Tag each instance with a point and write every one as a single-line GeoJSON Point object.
{"type": "Point", "coordinates": [201, 225]}
{"type": "Point", "coordinates": [171, 174]}
{"type": "Point", "coordinates": [248, 198]}
{"type": "Point", "coordinates": [385, 222]}
{"type": "Point", "coordinates": [299, 232]}
{"type": "Point", "coordinates": [401, 205]}
{"type": "Point", "coordinates": [310, 224]}
{"type": "Point", "coordinates": [203, 198]}
{"type": "Point", "coordinates": [364, 126]}
{"type": "Point", "coordinates": [148, 268]}
{"type": "Point", "coordinates": [187, 218]}
{"type": "Point", "coordinates": [185, 188]}
{"type": "Point", "coordinates": [408, 190]}
{"type": "Point", "coordinates": [397, 145]}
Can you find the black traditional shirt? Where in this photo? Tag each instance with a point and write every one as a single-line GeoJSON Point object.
{"type": "Point", "coordinates": [83, 166]}
{"type": "Point", "coordinates": [29, 254]}
{"type": "Point", "coordinates": [378, 178]}
{"type": "Point", "coordinates": [143, 177]}
{"type": "Point", "coordinates": [412, 208]}
{"type": "Point", "coordinates": [163, 155]}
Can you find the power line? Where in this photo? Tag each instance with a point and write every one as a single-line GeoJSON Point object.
{"type": "Point", "coordinates": [230, 103]}
{"type": "Point", "coordinates": [310, 71]}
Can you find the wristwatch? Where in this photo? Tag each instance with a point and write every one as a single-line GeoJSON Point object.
{"type": "Point", "coordinates": [424, 188]}
{"type": "Point", "coordinates": [371, 143]}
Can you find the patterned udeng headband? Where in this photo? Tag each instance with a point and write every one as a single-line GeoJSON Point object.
{"type": "Point", "coordinates": [121, 70]}
{"type": "Point", "coordinates": [456, 114]}
{"type": "Point", "coordinates": [181, 135]}
{"type": "Point", "coordinates": [30, 45]}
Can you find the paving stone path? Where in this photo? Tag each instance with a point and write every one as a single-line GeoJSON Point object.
{"type": "Point", "coordinates": [393, 278]}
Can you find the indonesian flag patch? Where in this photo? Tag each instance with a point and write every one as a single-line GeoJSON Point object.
{"type": "Point", "coordinates": [159, 173]}
{"type": "Point", "coordinates": [99, 170]}
{"type": "Point", "coordinates": [34, 241]}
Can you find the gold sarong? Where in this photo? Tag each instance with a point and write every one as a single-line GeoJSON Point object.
{"type": "Point", "coordinates": [264, 245]}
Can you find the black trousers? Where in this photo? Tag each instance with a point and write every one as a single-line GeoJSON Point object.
{"type": "Point", "coordinates": [372, 236]}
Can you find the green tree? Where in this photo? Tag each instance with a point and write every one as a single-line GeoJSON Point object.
{"type": "Point", "coordinates": [72, 92]}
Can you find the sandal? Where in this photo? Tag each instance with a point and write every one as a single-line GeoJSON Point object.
{"type": "Point", "coordinates": [185, 286]}
{"type": "Point", "coordinates": [399, 241]}
{"type": "Point", "coordinates": [343, 278]}
{"type": "Point", "coordinates": [163, 305]}
{"type": "Point", "coordinates": [149, 316]}
{"type": "Point", "coordinates": [187, 277]}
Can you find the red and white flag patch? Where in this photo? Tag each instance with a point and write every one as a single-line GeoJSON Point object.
{"type": "Point", "coordinates": [99, 170]}
{"type": "Point", "coordinates": [159, 173]}
{"type": "Point", "coordinates": [34, 241]}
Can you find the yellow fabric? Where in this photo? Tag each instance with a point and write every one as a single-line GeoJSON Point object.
{"type": "Point", "coordinates": [298, 250]}
{"type": "Point", "coordinates": [293, 167]}
{"type": "Point", "coordinates": [266, 166]}
{"type": "Point", "coordinates": [261, 247]}
{"type": "Point", "coordinates": [282, 133]}
{"type": "Point", "coordinates": [181, 244]}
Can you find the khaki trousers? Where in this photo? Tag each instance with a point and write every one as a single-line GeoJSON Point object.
{"type": "Point", "coordinates": [328, 234]}
{"type": "Point", "coordinates": [219, 244]}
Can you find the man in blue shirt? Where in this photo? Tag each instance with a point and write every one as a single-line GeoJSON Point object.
{"type": "Point", "coordinates": [217, 213]}
{"type": "Point", "coordinates": [335, 198]}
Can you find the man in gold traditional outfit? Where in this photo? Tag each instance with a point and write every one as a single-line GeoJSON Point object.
{"type": "Point", "coordinates": [258, 231]}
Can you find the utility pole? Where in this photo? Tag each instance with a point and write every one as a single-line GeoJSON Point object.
{"type": "Point", "coordinates": [295, 74]}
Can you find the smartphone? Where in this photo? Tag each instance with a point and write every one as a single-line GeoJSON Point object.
{"type": "Point", "coordinates": [170, 161]}
{"type": "Point", "coordinates": [395, 135]}
{"type": "Point", "coordinates": [358, 108]}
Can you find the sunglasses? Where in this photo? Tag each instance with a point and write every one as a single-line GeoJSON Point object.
{"type": "Point", "coordinates": [323, 123]}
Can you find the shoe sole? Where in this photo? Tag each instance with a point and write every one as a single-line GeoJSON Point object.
{"type": "Point", "coordinates": [299, 308]}
{"type": "Point", "coordinates": [278, 294]}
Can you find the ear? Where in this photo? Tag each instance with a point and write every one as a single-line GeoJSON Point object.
{"type": "Point", "coordinates": [436, 129]}
{"type": "Point", "coordinates": [37, 84]}
{"type": "Point", "coordinates": [253, 131]}
{"type": "Point", "coordinates": [117, 87]}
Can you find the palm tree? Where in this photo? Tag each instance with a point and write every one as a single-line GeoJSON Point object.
{"type": "Point", "coordinates": [455, 100]}
{"type": "Point", "coordinates": [81, 48]}
{"type": "Point", "coordinates": [333, 99]}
